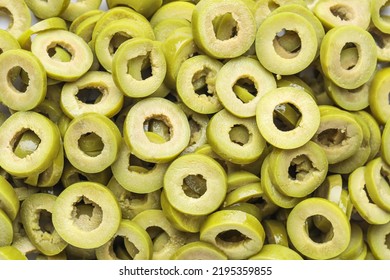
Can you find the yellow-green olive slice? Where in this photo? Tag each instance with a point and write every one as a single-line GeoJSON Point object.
{"type": "Point", "coordinates": [107, 133]}
{"type": "Point", "coordinates": [6, 229]}
{"type": "Point", "coordinates": [318, 246]}
{"type": "Point", "coordinates": [9, 201]}
{"type": "Point", "coordinates": [379, 97]}
{"type": "Point", "coordinates": [198, 250]}
{"type": "Point", "coordinates": [137, 121]}
{"type": "Point", "coordinates": [47, 9]}
{"type": "Point", "coordinates": [168, 26]}
{"type": "Point", "coordinates": [379, 18]}
{"type": "Point", "coordinates": [77, 8]}
{"type": "Point", "coordinates": [41, 158]}
{"type": "Point", "coordinates": [93, 92]}
{"type": "Point", "coordinates": [18, 14]}
{"type": "Point", "coordinates": [238, 234]}
{"type": "Point", "coordinates": [36, 216]}
{"type": "Point", "coordinates": [86, 215]}
{"type": "Point", "coordinates": [275, 231]}
{"type": "Point", "coordinates": [11, 253]}
{"type": "Point", "coordinates": [7, 41]}
{"type": "Point", "coordinates": [196, 190]}
{"type": "Point", "coordinates": [368, 210]}
{"type": "Point", "coordinates": [146, 7]}
{"type": "Point", "coordinates": [377, 174]}
{"type": "Point", "coordinates": [14, 92]}
{"type": "Point", "coordinates": [356, 244]}
{"type": "Point", "coordinates": [235, 139]}
{"type": "Point", "coordinates": [378, 240]}
{"type": "Point", "coordinates": [271, 128]}
{"type": "Point", "coordinates": [176, 9]}
{"type": "Point", "coordinates": [81, 54]}
{"type": "Point", "coordinates": [130, 236]}
{"type": "Point", "coordinates": [242, 35]}
{"type": "Point", "coordinates": [248, 73]}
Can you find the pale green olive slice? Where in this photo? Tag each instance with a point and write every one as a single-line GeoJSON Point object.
{"type": "Point", "coordinates": [9, 201]}
{"type": "Point", "coordinates": [11, 253]}
{"type": "Point", "coordinates": [198, 250]}
{"type": "Point", "coordinates": [195, 184]}
{"type": "Point", "coordinates": [378, 241]}
{"type": "Point", "coordinates": [276, 252]}
{"type": "Point", "coordinates": [6, 229]}
{"type": "Point", "coordinates": [86, 215]}
{"type": "Point", "coordinates": [18, 14]}
{"type": "Point", "coordinates": [377, 175]}
{"type": "Point", "coordinates": [323, 246]}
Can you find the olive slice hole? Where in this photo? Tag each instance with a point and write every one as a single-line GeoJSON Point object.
{"type": "Point", "coordinates": [18, 78]}
{"type": "Point", "coordinates": [45, 221]}
{"type": "Point", "coordinates": [25, 142]}
{"type": "Point", "coordinates": [387, 241]}
{"type": "Point", "coordinates": [116, 40]}
{"type": "Point", "coordinates": [194, 186]}
{"type": "Point", "coordinates": [140, 67]}
{"type": "Point", "coordinates": [231, 237]}
{"type": "Point", "coordinates": [154, 231]}
{"type": "Point", "coordinates": [384, 11]}
{"type": "Point", "coordinates": [136, 198]}
{"type": "Point", "coordinates": [316, 234]}
{"type": "Point", "coordinates": [349, 56]}
{"type": "Point", "coordinates": [332, 137]}
{"type": "Point", "coordinates": [200, 82]}
{"type": "Point", "coordinates": [342, 12]}
{"type": "Point", "coordinates": [287, 43]}
{"type": "Point", "coordinates": [272, 5]}
{"type": "Point", "coordinates": [286, 116]}
{"type": "Point", "coordinates": [59, 52]}
{"type": "Point", "coordinates": [380, 39]}
{"type": "Point", "coordinates": [119, 248]}
{"type": "Point", "coordinates": [158, 124]}
{"type": "Point", "coordinates": [225, 27]}
{"type": "Point", "coordinates": [6, 18]}
{"type": "Point", "coordinates": [90, 95]}
{"type": "Point", "coordinates": [367, 195]}
{"type": "Point", "coordinates": [86, 214]}
{"type": "Point", "coordinates": [239, 134]}
{"type": "Point", "coordinates": [195, 129]}
{"type": "Point", "coordinates": [139, 165]}
{"type": "Point", "coordinates": [91, 144]}
{"type": "Point", "coordinates": [300, 167]}
{"type": "Point", "coordinates": [245, 89]}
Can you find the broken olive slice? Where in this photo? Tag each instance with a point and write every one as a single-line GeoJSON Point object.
{"type": "Point", "coordinates": [105, 134]}
{"type": "Point", "coordinates": [140, 117]}
{"type": "Point", "coordinates": [36, 216]}
{"type": "Point", "coordinates": [40, 158]}
{"type": "Point", "coordinates": [198, 190]}
{"type": "Point", "coordinates": [309, 242]}
{"type": "Point", "coordinates": [236, 233]}
{"type": "Point", "coordinates": [23, 80]}
{"type": "Point", "coordinates": [274, 130]}
{"type": "Point", "coordinates": [43, 44]}
{"type": "Point", "coordinates": [86, 215]}
{"type": "Point", "coordinates": [204, 18]}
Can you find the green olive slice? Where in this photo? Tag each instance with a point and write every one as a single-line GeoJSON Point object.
{"type": "Point", "coordinates": [198, 250]}
{"type": "Point", "coordinates": [108, 134]}
{"type": "Point", "coordinates": [139, 67]}
{"type": "Point", "coordinates": [158, 109]}
{"type": "Point", "coordinates": [52, 175]}
{"type": "Point", "coordinates": [176, 9]}
{"type": "Point", "coordinates": [199, 190]}
{"type": "Point", "coordinates": [9, 201]}
{"type": "Point", "coordinates": [71, 175]}
{"type": "Point", "coordinates": [242, 35]}
{"type": "Point", "coordinates": [14, 92]}
{"type": "Point", "coordinates": [182, 221]}
{"type": "Point", "coordinates": [6, 229]}
{"type": "Point", "coordinates": [168, 26]}
{"type": "Point", "coordinates": [382, 41]}
{"type": "Point", "coordinates": [335, 43]}
{"type": "Point", "coordinates": [298, 172]}
{"type": "Point", "coordinates": [356, 244]}
{"type": "Point", "coordinates": [81, 54]}
{"type": "Point", "coordinates": [272, 37]}
{"type": "Point", "coordinates": [240, 178]}
{"type": "Point", "coordinates": [337, 13]}
{"type": "Point", "coordinates": [135, 240]}
{"type": "Point", "coordinates": [146, 7]}
{"type": "Point", "coordinates": [379, 18]}
{"type": "Point", "coordinates": [379, 97]}
{"type": "Point", "coordinates": [378, 240]}
{"type": "Point", "coordinates": [93, 92]}
{"type": "Point", "coordinates": [248, 207]}
{"type": "Point", "coordinates": [166, 238]}
{"type": "Point", "coordinates": [11, 253]}
{"type": "Point", "coordinates": [86, 215]}
{"type": "Point", "coordinates": [377, 175]}
{"type": "Point", "coordinates": [85, 27]}
{"type": "Point", "coordinates": [238, 234]}
{"type": "Point", "coordinates": [272, 192]}
{"type": "Point", "coordinates": [75, 9]}
{"type": "Point", "coordinates": [196, 84]}
{"type": "Point", "coordinates": [41, 158]}
{"type": "Point", "coordinates": [323, 246]}
{"type": "Point", "coordinates": [245, 193]}
{"type": "Point", "coordinates": [276, 252]}
{"type": "Point", "coordinates": [127, 171]}
{"type": "Point", "coordinates": [47, 9]}
{"type": "Point", "coordinates": [248, 73]}
{"type": "Point", "coordinates": [19, 16]}
{"type": "Point", "coordinates": [276, 232]}
{"type": "Point", "coordinates": [339, 134]}
{"type": "Point", "coordinates": [7, 42]}
{"type": "Point", "coordinates": [36, 216]}
{"type": "Point", "coordinates": [273, 131]}
{"type": "Point", "coordinates": [368, 210]}
{"type": "Point", "coordinates": [375, 133]}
